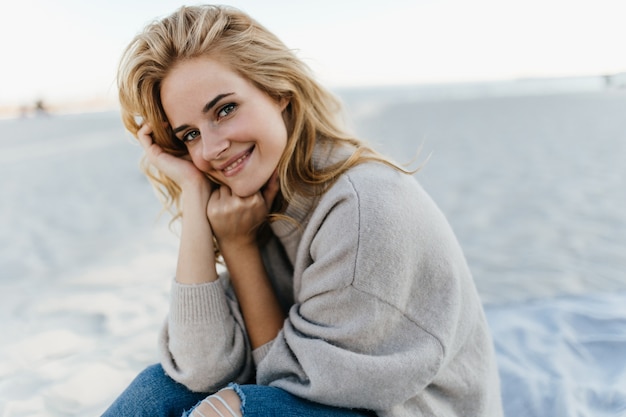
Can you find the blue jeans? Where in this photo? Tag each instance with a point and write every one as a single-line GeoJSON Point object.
{"type": "Point", "coordinates": [153, 393]}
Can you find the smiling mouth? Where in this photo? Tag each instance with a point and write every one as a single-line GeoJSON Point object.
{"type": "Point", "coordinates": [233, 165]}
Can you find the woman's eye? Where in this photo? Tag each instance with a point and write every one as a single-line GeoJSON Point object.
{"type": "Point", "coordinates": [189, 136]}
{"type": "Point", "coordinates": [226, 110]}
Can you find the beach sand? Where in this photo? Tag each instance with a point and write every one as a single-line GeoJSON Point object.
{"type": "Point", "coordinates": [534, 187]}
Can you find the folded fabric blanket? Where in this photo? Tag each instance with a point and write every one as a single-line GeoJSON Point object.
{"type": "Point", "coordinates": [562, 357]}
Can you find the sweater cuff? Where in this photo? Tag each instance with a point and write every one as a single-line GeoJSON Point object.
{"type": "Point", "coordinates": [198, 303]}
{"type": "Point", "coordinates": [259, 353]}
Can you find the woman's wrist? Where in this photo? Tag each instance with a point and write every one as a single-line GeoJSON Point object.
{"type": "Point", "coordinates": [238, 247]}
{"type": "Point", "coordinates": [199, 187]}
{"type": "Point", "coordinates": [196, 259]}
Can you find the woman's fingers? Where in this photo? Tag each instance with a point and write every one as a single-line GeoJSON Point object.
{"type": "Point", "coordinates": [181, 170]}
{"type": "Point", "coordinates": [144, 136]}
{"type": "Point", "coordinates": [235, 218]}
{"type": "Point", "coordinates": [231, 215]}
{"type": "Point", "coordinates": [152, 150]}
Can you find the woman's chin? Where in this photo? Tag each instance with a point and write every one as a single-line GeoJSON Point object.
{"type": "Point", "coordinates": [244, 192]}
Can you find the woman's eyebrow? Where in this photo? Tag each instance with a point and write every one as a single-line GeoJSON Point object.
{"type": "Point", "coordinates": [207, 107]}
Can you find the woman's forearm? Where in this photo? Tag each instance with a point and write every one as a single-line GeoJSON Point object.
{"type": "Point", "coordinates": [259, 306]}
{"type": "Point", "coordinates": [196, 256]}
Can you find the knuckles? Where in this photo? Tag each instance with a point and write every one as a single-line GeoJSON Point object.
{"type": "Point", "coordinates": [232, 215]}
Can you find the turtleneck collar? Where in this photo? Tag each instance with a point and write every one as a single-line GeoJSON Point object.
{"type": "Point", "coordinates": [301, 207]}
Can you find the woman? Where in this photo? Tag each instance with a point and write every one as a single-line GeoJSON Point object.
{"type": "Point", "coordinates": [344, 292]}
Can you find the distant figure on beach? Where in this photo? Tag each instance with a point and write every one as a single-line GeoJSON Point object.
{"type": "Point", "coordinates": [40, 108]}
{"type": "Point", "coordinates": [342, 290]}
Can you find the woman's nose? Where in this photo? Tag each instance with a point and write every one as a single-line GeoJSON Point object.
{"type": "Point", "coordinates": [213, 146]}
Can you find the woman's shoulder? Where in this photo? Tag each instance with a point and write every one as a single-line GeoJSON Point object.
{"type": "Point", "coordinates": [379, 194]}
{"type": "Point", "coordinates": [377, 180]}
{"type": "Point", "coordinates": [370, 188]}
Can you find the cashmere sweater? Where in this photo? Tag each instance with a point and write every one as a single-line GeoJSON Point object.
{"type": "Point", "coordinates": [382, 310]}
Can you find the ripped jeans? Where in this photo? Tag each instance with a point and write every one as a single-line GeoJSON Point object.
{"type": "Point", "coordinates": [153, 393]}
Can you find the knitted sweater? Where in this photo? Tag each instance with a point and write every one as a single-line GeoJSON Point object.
{"type": "Point", "coordinates": [383, 313]}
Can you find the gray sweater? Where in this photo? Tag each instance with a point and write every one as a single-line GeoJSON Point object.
{"type": "Point", "coordinates": [382, 309]}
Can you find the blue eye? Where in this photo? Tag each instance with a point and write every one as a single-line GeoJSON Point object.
{"type": "Point", "coordinates": [226, 110]}
{"type": "Point", "coordinates": [191, 135]}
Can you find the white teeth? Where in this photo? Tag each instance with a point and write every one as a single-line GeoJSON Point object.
{"type": "Point", "coordinates": [237, 162]}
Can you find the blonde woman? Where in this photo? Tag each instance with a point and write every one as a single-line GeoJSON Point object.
{"type": "Point", "coordinates": [345, 292]}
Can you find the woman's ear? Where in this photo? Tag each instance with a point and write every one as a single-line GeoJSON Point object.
{"type": "Point", "coordinates": [286, 112]}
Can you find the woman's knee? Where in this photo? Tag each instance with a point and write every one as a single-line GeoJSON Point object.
{"type": "Point", "coordinates": [224, 403]}
{"type": "Point", "coordinates": [152, 375]}
{"type": "Point", "coordinates": [264, 401]}
{"type": "Point", "coordinates": [154, 393]}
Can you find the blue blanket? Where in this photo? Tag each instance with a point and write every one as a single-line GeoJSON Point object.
{"type": "Point", "coordinates": [562, 357]}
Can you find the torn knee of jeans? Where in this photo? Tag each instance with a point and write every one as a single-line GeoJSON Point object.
{"type": "Point", "coordinates": [241, 394]}
{"type": "Point", "coordinates": [217, 405]}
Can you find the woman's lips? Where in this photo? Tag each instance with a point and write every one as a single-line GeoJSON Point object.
{"type": "Point", "coordinates": [236, 164]}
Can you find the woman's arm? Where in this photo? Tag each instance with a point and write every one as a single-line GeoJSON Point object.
{"type": "Point", "coordinates": [196, 259]}
{"type": "Point", "coordinates": [196, 255]}
{"type": "Point", "coordinates": [203, 344]}
{"type": "Point", "coordinates": [260, 308]}
{"type": "Point", "coordinates": [235, 221]}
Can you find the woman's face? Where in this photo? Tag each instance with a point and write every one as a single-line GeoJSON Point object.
{"type": "Point", "coordinates": [233, 131]}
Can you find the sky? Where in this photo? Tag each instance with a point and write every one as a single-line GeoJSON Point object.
{"type": "Point", "coordinates": [66, 50]}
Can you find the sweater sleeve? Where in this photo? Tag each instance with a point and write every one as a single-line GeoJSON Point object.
{"type": "Point", "coordinates": [377, 287]}
{"type": "Point", "coordinates": [203, 343]}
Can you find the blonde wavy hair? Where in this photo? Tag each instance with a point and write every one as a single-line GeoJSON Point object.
{"type": "Point", "coordinates": [233, 38]}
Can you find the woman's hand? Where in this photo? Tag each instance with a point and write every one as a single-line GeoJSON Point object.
{"type": "Point", "coordinates": [179, 170]}
{"type": "Point", "coordinates": [235, 220]}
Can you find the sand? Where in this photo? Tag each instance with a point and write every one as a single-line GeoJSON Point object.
{"type": "Point", "coordinates": [534, 187]}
